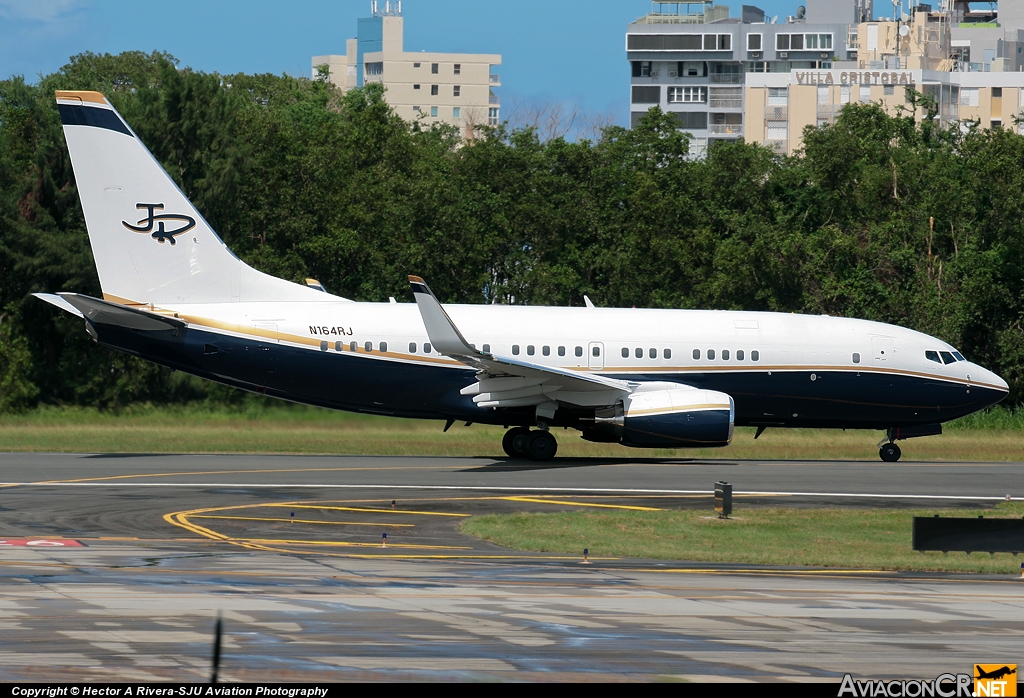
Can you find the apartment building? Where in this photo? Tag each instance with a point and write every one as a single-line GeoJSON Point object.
{"type": "Point", "coordinates": [452, 88]}
{"type": "Point", "coordinates": [764, 80]}
{"type": "Point", "coordinates": [693, 59]}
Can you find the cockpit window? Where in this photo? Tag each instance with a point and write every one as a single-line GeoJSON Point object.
{"type": "Point", "coordinates": [959, 356]}
{"type": "Point", "coordinates": [933, 356]}
{"type": "Point", "coordinates": [947, 358]}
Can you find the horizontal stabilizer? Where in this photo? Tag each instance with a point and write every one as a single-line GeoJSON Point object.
{"type": "Point", "coordinates": [59, 302]}
{"type": "Point", "coordinates": [102, 312]}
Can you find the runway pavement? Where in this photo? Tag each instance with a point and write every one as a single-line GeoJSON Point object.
{"type": "Point", "coordinates": [289, 549]}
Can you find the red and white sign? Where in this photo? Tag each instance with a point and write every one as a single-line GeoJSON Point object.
{"type": "Point", "coordinates": [41, 543]}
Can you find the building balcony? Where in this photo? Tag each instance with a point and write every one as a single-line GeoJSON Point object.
{"type": "Point", "coordinates": [494, 99]}
{"type": "Point", "coordinates": [775, 113]}
{"type": "Point", "coordinates": [778, 146]}
{"type": "Point", "coordinates": [727, 78]}
{"type": "Point", "coordinates": [725, 130]}
{"type": "Point", "coordinates": [725, 102]}
{"type": "Point", "coordinates": [495, 79]}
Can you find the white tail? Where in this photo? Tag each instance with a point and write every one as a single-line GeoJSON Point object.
{"type": "Point", "coordinates": [150, 244]}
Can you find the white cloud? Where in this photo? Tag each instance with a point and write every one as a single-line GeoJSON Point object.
{"type": "Point", "coordinates": [37, 10]}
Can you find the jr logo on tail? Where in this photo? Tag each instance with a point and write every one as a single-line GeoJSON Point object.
{"type": "Point", "coordinates": [160, 234]}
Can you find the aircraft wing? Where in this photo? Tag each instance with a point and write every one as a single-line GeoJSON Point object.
{"type": "Point", "coordinates": [507, 382]}
{"type": "Point", "coordinates": [104, 312]}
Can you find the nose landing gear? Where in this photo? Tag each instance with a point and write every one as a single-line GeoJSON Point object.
{"type": "Point", "coordinates": [889, 452]}
{"type": "Point", "coordinates": [520, 442]}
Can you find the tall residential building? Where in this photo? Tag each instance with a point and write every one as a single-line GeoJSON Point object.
{"type": "Point", "coordinates": [452, 88]}
{"type": "Point", "coordinates": [751, 76]}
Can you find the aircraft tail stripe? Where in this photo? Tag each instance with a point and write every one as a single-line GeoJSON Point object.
{"type": "Point", "coordinates": [75, 115]}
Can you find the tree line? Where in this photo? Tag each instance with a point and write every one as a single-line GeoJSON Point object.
{"type": "Point", "coordinates": [880, 217]}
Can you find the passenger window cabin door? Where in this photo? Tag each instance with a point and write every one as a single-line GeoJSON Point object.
{"type": "Point", "coordinates": [881, 348]}
{"type": "Point", "coordinates": [595, 355]}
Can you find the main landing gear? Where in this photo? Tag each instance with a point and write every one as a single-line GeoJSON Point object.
{"type": "Point", "coordinates": [520, 442]}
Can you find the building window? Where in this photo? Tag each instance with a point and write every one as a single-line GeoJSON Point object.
{"type": "Point", "coordinates": [687, 94]}
{"type": "Point", "coordinates": [997, 92]}
{"type": "Point", "coordinates": [777, 130]}
{"type": "Point", "coordinates": [968, 96]}
{"type": "Point", "coordinates": [691, 69]}
{"type": "Point", "coordinates": [782, 42]}
{"type": "Point", "coordinates": [415, 87]}
{"type": "Point", "coordinates": [691, 120]}
{"type": "Point", "coordinates": [433, 90]}
{"type": "Point", "coordinates": [492, 116]}
{"type": "Point", "coordinates": [415, 65]}
{"type": "Point", "coordinates": [844, 94]}
{"type": "Point", "coordinates": [997, 124]}
{"type": "Point", "coordinates": [458, 69]}
{"type": "Point", "coordinates": [753, 42]}
{"type": "Point", "coordinates": [865, 94]}
{"type": "Point", "coordinates": [374, 69]}
{"type": "Point", "coordinates": [823, 95]}
{"type": "Point", "coordinates": [433, 111]}
{"type": "Point", "coordinates": [888, 90]}
{"type": "Point", "coordinates": [417, 110]}
{"type": "Point", "coordinates": [644, 94]}
{"type": "Point", "coordinates": [641, 69]}
{"type": "Point", "coordinates": [778, 96]}
{"type": "Point", "coordinates": [457, 91]}
{"type": "Point", "coordinates": [433, 68]}
{"type": "Point", "coordinates": [457, 112]}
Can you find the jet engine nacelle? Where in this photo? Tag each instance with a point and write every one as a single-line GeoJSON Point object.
{"type": "Point", "coordinates": [667, 415]}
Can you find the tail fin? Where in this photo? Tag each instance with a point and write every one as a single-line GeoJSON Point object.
{"type": "Point", "coordinates": [150, 244]}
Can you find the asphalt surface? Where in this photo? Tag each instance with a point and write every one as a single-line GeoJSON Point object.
{"type": "Point", "coordinates": [289, 550]}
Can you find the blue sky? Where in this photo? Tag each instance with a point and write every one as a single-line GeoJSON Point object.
{"type": "Point", "coordinates": [570, 51]}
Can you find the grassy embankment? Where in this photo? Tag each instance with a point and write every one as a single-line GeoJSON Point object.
{"type": "Point", "coordinates": [276, 428]}
{"type": "Point", "coordinates": [835, 537]}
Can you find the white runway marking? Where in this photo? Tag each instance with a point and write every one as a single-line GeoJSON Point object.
{"type": "Point", "coordinates": [484, 488]}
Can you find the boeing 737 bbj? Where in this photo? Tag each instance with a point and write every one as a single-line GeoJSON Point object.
{"type": "Point", "coordinates": [174, 294]}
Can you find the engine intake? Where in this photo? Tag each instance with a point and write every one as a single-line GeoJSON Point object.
{"type": "Point", "coordinates": [667, 417]}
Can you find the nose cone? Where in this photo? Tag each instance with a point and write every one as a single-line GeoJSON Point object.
{"type": "Point", "coordinates": [987, 378]}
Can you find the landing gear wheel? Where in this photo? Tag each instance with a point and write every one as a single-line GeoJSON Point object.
{"type": "Point", "coordinates": [509, 442]}
{"type": "Point", "coordinates": [890, 453]}
{"type": "Point", "coordinates": [541, 445]}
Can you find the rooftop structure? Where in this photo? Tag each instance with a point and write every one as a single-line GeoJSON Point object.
{"type": "Point", "coordinates": [452, 88]}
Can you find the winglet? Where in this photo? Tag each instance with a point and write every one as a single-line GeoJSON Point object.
{"type": "Point", "coordinates": [443, 333]}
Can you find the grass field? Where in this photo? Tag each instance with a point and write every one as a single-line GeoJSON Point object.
{"type": "Point", "coordinates": [848, 538]}
{"type": "Point", "coordinates": [997, 435]}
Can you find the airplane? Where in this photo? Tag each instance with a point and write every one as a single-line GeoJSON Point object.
{"type": "Point", "coordinates": [995, 674]}
{"type": "Point", "coordinates": [174, 294]}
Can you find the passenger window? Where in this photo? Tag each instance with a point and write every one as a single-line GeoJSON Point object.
{"type": "Point", "coordinates": [323, 346]}
{"type": "Point", "coordinates": [561, 351]}
{"type": "Point", "coordinates": [487, 348]}
{"type": "Point", "coordinates": [530, 350]}
{"type": "Point", "coordinates": [639, 353]}
{"type": "Point", "coordinates": [412, 347]}
{"type": "Point", "coordinates": [725, 355]}
{"type": "Point", "coordinates": [625, 352]}
{"type": "Point", "coordinates": [696, 353]}
{"type": "Point", "coordinates": [368, 346]}
{"type": "Point", "coordinates": [754, 355]}
{"type": "Point", "coordinates": [739, 355]}
{"type": "Point", "coordinates": [856, 358]}
{"type": "Point", "coordinates": [579, 351]}
{"type": "Point", "coordinates": [597, 351]}
{"type": "Point", "coordinates": [959, 356]}
{"type": "Point", "coordinates": [384, 346]}
{"type": "Point", "coordinates": [546, 351]}
{"type": "Point", "coordinates": [426, 348]}
{"type": "Point", "coordinates": [933, 356]}
{"type": "Point", "coordinates": [338, 346]}
{"type": "Point", "coordinates": [947, 358]}
{"type": "Point", "coordinates": [667, 353]}
{"type": "Point", "coordinates": [353, 346]}
{"type": "Point", "coordinates": [711, 354]}
{"type": "Point", "coordinates": [515, 350]}
{"type": "Point", "coordinates": [652, 353]}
